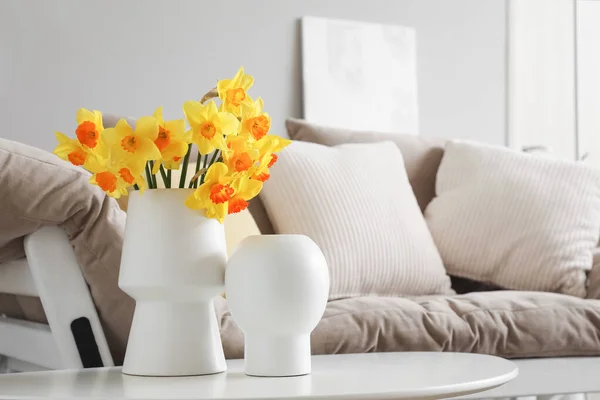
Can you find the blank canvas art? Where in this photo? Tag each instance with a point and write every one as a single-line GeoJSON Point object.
{"type": "Point", "coordinates": [360, 75]}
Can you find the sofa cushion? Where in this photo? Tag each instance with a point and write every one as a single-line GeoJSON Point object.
{"type": "Point", "coordinates": [363, 216]}
{"type": "Point", "coordinates": [421, 155]}
{"type": "Point", "coordinates": [504, 323]}
{"type": "Point", "coordinates": [516, 220]}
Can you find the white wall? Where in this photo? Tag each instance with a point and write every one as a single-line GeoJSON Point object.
{"type": "Point", "coordinates": [127, 57]}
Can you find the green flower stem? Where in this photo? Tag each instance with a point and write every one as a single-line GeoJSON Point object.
{"type": "Point", "coordinates": [164, 176]}
{"type": "Point", "coordinates": [153, 175]}
{"type": "Point", "coordinates": [169, 177]}
{"type": "Point", "coordinates": [148, 175]}
{"type": "Point", "coordinates": [136, 187]}
{"type": "Point", "coordinates": [212, 161]}
{"type": "Point", "coordinates": [186, 160]}
{"type": "Point", "coordinates": [214, 157]}
{"type": "Point", "coordinates": [204, 167]}
{"type": "Point", "coordinates": [197, 168]}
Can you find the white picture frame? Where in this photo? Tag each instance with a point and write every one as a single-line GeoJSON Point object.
{"type": "Point", "coordinates": [359, 75]}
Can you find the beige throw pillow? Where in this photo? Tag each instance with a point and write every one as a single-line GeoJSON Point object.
{"type": "Point", "coordinates": [356, 203]}
{"type": "Point", "coordinates": [516, 220]}
{"type": "Point", "coordinates": [421, 155]}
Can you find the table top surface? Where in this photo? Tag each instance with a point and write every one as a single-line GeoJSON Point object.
{"type": "Point", "coordinates": [352, 376]}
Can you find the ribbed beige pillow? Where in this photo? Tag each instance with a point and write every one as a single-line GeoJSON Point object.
{"type": "Point", "coordinates": [519, 221]}
{"type": "Point", "coordinates": [421, 155]}
{"type": "Point", "coordinates": [356, 203]}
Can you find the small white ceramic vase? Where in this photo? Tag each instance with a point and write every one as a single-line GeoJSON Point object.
{"type": "Point", "coordinates": [277, 288]}
{"type": "Point", "coordinates": [173, 265]}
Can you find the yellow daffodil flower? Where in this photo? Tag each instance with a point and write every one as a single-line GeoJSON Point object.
{"type": "Point", "coordinates": [245, 189]}
{"type": "Point", "coordinates": [110, 183]}
{"type": "Point", "coordinates": [175, 163]}
{"type": "Point", "coordinates": [255, 122]}
{"type": "Point", "coordinates": [267, 146]}
{"type": "Point", "coordinates": [240, 155]}
{"type": "Point", "coordinates": [72, 150]}
{"type": "Point", "coordinates": [118, 177]}
{"type": "Point", "coordinates": [172, 141]}
{"type": "Point", "coordinates": [131, 146]}
{"type": "Point", "coordinates": [234, 92]}
{"type": "Point", "coordinates": [209, 126]}
{"type": "Point", "coordinates": [235, 134]}
{"type": "Point", "coordinates": [214, 194]}
{"type": "Point", "coordinates": [89, 127]}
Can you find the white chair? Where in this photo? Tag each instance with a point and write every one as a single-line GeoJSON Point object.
{"type": "Point", "coordinates": [73, 338]}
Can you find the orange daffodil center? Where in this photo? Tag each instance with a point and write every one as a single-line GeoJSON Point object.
{"type": "Point", "coordinates": [129, 143]}
{"type": "Point", "coordinates": [208, 130]}
{"type": "Point", "coordinates": [242, 162]}
{"type": "Point", "coordinates": [87, 134]}
{"type": "Point", "coordinates": [235, 96]}
{"type": "Point", "coordinates": [126, 175]}
{"type": "Point", "coordinates": [273, 160]}
{"type": "Point", "coordinates": [107, 181]}
{"type": "Point", "coordinates": [163, 139]}
{"type": "Point", "coordinates": [220, 193]}
{"type": "Point", "coordinates": [236, 205]}
{"type": "Point", "coordinates": [259, 126]}
{"type": "Point", "coordinates": [77, 156]}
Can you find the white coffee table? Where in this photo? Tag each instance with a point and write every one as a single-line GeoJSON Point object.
{"type": "Point", "coordinates": [361, 376]}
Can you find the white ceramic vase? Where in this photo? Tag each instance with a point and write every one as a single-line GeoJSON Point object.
{"type": "Point", "coordinates": [173, 265]}
{"type": "Point", "coordinates": [277, 288]}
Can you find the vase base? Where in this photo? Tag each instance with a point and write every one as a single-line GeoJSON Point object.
{"type": "Point", "coordinates": [174, 339]}
{"type": "Point", "coordinates": [279, 356]}
{"type": "Point", "coordinates": [171, 376]}
{"type": "Point", "coordinates": [277, 375]}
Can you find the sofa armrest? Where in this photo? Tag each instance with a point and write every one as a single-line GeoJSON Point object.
{"type": "Point", "coordinates": [593, 282]}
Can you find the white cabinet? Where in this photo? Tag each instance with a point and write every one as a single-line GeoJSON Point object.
{"type": "Point", "coordinates": [588, 79]}
{"type": "Point", "coordinates": [541, 76]}
{"type": "Point", "coordinates": [553, 84]}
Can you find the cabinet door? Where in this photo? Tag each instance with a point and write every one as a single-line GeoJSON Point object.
{"type": "Point", "coordinates": [588, 80]}
{"type": "Point", "coordinates": [541, 76]}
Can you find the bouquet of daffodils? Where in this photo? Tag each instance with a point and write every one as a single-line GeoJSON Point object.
{"type": "Point", "coordinates": [235, 149]}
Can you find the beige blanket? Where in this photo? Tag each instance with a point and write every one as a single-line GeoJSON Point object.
{"type": "Point", "coordinates": [39, 189]}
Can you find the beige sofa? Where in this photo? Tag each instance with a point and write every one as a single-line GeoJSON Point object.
{"type": "Point", "coordinates": [506, 323]}
{"type": "Point", "coordinates": [481, 318]}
